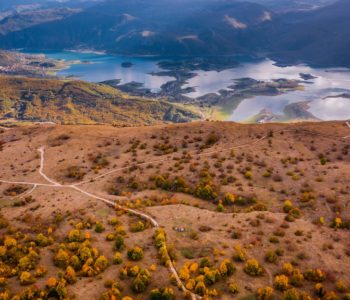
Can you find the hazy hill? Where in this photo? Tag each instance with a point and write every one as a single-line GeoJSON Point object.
{"type": "Point", "coordinates": [199, 27]}
{"type": "Point", "coordinates": [290, 5]}
{"type": "Point", "coordinates": [319, 36]}
{"type": "Point", "coordinates": [78, 102]}
{"type": "Point", "coordinates": [141, 27]}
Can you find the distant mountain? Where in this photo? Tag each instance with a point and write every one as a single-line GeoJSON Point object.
{"type": "Point", "coordinates": [78, 102]}
{"type": "Point", "coordinates": [20, 5]}
{"type": "Point", "coordinates": [198, 27]}
{"type": "Point", "coordinates": [29, 18]}
{"type": "Point", "coordinates": [320, 37]}
{"type": "Point", "coordinates": [144, 27]}
{"type": "Point", "coordinates": [293, 5]}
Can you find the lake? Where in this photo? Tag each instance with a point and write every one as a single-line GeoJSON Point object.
{"type": "Point", "coordinates": [97, 67]}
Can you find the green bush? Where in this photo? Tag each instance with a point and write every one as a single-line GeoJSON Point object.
{"type": "Point", "coordinates": [135, 254]}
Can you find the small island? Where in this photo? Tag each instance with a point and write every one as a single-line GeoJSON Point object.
{"type": "Point", "coordinates": [127, 64]}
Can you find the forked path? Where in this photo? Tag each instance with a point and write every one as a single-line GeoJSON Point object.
{"type": "Point", "coordinates": [110, 203]}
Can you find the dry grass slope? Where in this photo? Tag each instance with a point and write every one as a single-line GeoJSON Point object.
{"type": "Point", "coordinates": [78, 102]}
{"type": "Point", "coordinates": [244, 211]}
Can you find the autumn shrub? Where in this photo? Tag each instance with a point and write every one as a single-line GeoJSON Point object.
{"type": "Point", "coordinates": [114, 291]}
{"type": "Point", "coordinates": [315, 275]}
{"type": "Point", "coordinates": [205, 262]}
{"type": "Point", "coordinates": [205, 192]}
{"type": "Point", "coordinates": [75, 172]}
{"type": "Point", "coordinates": [61, 259]}
{"type": "Point", "coordinates": [141, 282]}
{"type": "Point", "coordinates": [228, 199]}
{"type": "Point", "coordinates": [70, 275]}
{"type": "Point", "coordinates": [42, 240]}
{"type": "Point", "coordinates": [135, 253]}
{"type": "Point", "coordinates": [291, 294]}
{"type": "Point", "coordinates": [100, 264]}
{"type": "Point", "coordinates": [227, 268]}
{"type": "Point", "coordinates": [253, 268]}
{"type": "Point", "coordinates": [200, 288]}
{"type": "Point", "coordinates": [265, 293]}
{"type": "Point", "coordinates": [110, 237]}
{"type": "Point", "coordinates": [15, 190]}
{"type": "Point", "coordinates": [211, 276]}
{"type": "Point", "coordinates": [74, 235]}
{"type": "Point", "coordinates": [220, 207]}
{"type": "Point", "coordinates": [281, 282]}
{"type": "Point", "coordinates": [162, 294]}
{"type": "Point", "coordinates": [297, 278]}
{"type": "Point", "coordinates": [117, 258]}
{"type": "Point", "coordinates": [233, 288]}
{"type": "Point", "coordinates": [271, 256]}
{"type": "Point", "coordinates": [341, 286]}
{"type": "Point", "coordinates": [119, 243]}
{"type": "Point", "coordinates": [287, 206]}
{"type": "Point", "coordinates": [320, 290]}
{"type": "Point", "coordinates": [211, 139]}
{"type": "Point", "coordinates": [137, 226]}
{"type": "Point", "coordinates": [239, 254]}
{"type": "Point", "coordinates": [26, 278]}
{"type": "Point", "coordinates": [99, 227]}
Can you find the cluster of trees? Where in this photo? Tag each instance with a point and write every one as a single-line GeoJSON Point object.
{"type": "Point", "coordinates": [141, 277]}
{"type": "Point", "coordinates": [290, 278]}
{"type": "Point", "coordinates": [162, 294]}
{"type": "Point", "coordinates": [135, 253]}
{"type": "Point", "coordinates": [204, 189]}
{"type": "Point", "coordinates": [54, 289]}
{"type": "Point", "coordinates": [164, 148]}
{"type": "Point", "coordinates": [20, 256]}
{"type": "Point", "coordinates": [78, 255]}
{"type": "Point", "coordinates": [159, 239]}
{"type": "Point", "coordinates": [199, 278]}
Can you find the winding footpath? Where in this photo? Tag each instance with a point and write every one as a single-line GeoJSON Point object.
{"type": "Point", "coordinates": [110, 203]}
{"type": "Point", "coordinates": [53, 184]}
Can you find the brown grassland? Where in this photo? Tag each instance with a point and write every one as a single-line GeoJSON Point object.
{"type": "Point", "coordinates": [240, 211]}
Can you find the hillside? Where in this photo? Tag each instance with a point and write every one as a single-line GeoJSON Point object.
{"type": "Point", "coordinates": [26, 19]}
{"type": "Point", "coordinates": [77, 102]}
{"type": "Point", "coordinates": [184, 211]}
{"type": "Point", "coordinates": [141, 27]}
{"type": "Point", "coordinates": [313, 32]}
{"type": "Point", "coordinates": [319, 37]}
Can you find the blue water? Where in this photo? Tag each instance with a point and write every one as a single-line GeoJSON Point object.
{"type": "Point", "coordinates": [96, 67]}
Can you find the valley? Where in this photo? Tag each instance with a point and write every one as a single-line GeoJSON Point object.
{"type": "Point", "coordinates": [219, 88]}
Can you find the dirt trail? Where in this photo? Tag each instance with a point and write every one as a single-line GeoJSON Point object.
{"type": "Point", "coordinates": [110, 203]}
